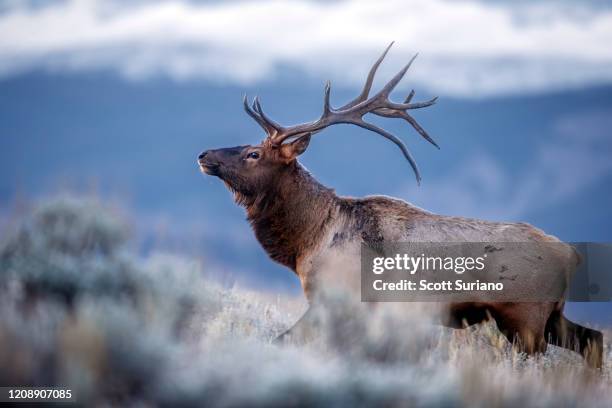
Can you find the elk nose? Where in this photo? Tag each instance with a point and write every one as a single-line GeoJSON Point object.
{"type": "Point", "coordinates": [202, 155]}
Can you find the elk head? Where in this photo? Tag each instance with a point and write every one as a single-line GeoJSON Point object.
{"type": "Point", "coordinates": [249, 170]}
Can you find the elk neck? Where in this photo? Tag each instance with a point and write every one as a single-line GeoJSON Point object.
{"type": "Point", "coordinates": [290, 217]}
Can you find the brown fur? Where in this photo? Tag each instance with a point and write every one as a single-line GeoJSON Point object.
{"type": "Point", "coordinates": [288, 217]}
{"type": "Point", "coordinates": [296, 219]}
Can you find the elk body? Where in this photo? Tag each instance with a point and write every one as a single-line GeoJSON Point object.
{"type": "Point", "coordinates": [318, 234]}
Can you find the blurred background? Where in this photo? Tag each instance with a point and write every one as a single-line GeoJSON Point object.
{"type": "Point", "coordinates": [117, 98]}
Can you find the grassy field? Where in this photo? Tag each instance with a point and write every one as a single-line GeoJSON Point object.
{"type": "Point", "coordinates": [79, 309]}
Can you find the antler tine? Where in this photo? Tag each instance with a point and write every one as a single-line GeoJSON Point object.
{"type": "Point", "coordinates": [419, 105]}
{"type": "Point", "coordinates": [419, 129]}
{"type": "Point", "coordinates": [257, 106]}
{"type": "Point", "coordinates": [409, 97]}
{"type": "Point", "coordinates": [267, 128]}
{"type": "Point", "coordinates": [398, 143]}
{"type": "Point", "coordinates": [395, 80]}
{"type": "Point", "coordinates": [326, 104]}
{"type": "Point", "coordinates": [370, 79]}
{"type": "Point", "coordinates": [389, 113]}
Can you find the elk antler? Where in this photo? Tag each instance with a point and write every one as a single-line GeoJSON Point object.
{"type": "Point", "coordinates": [352, 113]}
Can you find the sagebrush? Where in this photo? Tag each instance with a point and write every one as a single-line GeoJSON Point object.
{"type": "Point", "coordinates": [79, 309]}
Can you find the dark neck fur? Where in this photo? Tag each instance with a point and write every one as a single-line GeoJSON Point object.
{"type": "Point", "coordinates": [289, 218]}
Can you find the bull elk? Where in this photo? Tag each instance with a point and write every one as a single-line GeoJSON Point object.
{"type": "Point", "coordinates": [306, 227]}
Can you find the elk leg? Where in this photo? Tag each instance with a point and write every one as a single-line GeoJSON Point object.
{"type": "Point", "coordinates": [526, 334]}
{"type": "Point", "coordinates": [462, 315]}
{"type": "Point", "coordinates": [302, 330]}
{"type": "Point", "coordinates": [564, 333]}
{"type": "Point", "coordinates": [526, 340]}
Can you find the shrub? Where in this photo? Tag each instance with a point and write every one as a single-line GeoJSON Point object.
{"type": "Point", "coordinates": [79, 310]}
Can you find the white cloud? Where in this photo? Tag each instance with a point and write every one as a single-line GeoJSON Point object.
{"type": "Point", "coordinates": [467, 47]}
{"type": "Point", "coordinates": [577, 159]}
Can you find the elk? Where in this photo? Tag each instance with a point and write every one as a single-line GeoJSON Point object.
{"type": "Point", "coordinates": [306, 227]}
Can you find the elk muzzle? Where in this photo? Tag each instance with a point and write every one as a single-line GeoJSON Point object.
{"type": "Point", "coordinates": [212, 162]}
{"type": "Point", "coordinates": [207, 163]}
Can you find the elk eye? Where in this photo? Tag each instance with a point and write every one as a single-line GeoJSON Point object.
{"type": "Point", "coordinates": [253, 155]}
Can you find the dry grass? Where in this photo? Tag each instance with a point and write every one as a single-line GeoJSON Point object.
{"type": "Point", "coordinates": [155, 331]}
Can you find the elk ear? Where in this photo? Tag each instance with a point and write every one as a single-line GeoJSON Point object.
{"type": "Point", "coordinates": [292, 150]}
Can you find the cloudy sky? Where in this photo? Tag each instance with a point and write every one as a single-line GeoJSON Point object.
{"type": "Point", "coordinates": [467, 48]}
